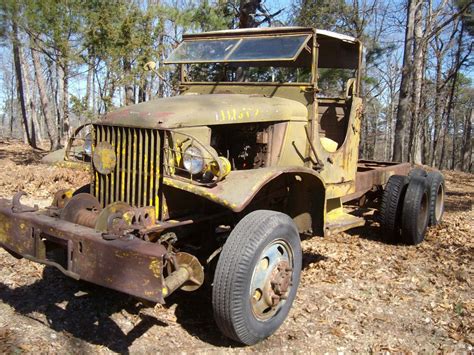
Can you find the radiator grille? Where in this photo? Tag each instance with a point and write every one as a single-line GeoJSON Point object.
{"type": "Point", "coordinates": [136, 177]}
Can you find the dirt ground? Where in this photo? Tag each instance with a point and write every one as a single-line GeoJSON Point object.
{"type": "Point", "coordinates": [356, 294]}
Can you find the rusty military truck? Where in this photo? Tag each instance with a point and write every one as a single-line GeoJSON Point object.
{"type": "Point", "coordinates": [216, 185]}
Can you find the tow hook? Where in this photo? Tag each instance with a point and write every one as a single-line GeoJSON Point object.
{"type": "Point", "coordinates": [18, 207]}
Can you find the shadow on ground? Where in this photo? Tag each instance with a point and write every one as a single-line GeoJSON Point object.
{"type": "Point", "coordinates": [85, 311]}
{"type": "Point", "coordinates": [21, 156]}
{"type": "Point", "coordinates": [458, 201]}
{"type": "Point", "coordinates": [80, 309]}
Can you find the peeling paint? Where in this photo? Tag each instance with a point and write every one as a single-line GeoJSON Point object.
{"type": "Point", "coordinates": [155, 267]}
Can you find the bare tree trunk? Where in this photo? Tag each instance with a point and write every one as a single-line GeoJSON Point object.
{"type": "Point", "coordinates": [94, 97]}
{"type": "Point", "coordinates": [90, 75]}
{"type": "Point", "coordinates": [438, 104]}
{"type": "Point", "coordinates": [24, 132]}
{"type": "Point", "coordinates": [129, 90]}
{"type": "Point", "coordinates": [451, 94]}
{"type": "Point", "coordinates": [389, 142]}
{"type": "Point", "coordinates": [111, 90]}
{"type": "Point", "coordinates": [142, 89]}
{"type": "Point", "coordinates": [58, 88]}
{"type": "Point", "coordinates": [20, 89]}
{"type": "Point", "coordinates": [376, 118]}
{"type": "Point", "coordinates": [102, 93]}
{"type": "Point", "coordinates": [399, 145]}
{"type": "Point", "coordinates": [88, 89]}
{"type": "Point", "coordinates": [161, 85]}
{"type": "Point", "coordinates": [2, 134]}
{"type": "Point", "coordinates": [423, 118]}
{"type": "Point", "coordinates": [453, 152]}
{"type": "Point", "coordinates": [425, 125]}
{"type": "Point", "coordinates": [46, 108]}
{"type": "Point", "coordinates": [426, 136]}
{"type": "Point", "coordinates": [50, 82]}
{"type": "Point", "coordinates": [12, 96]}
{"type": "Point", "coordinates": [466, 153]}
{"type": "Point", "coordinates": [66, 123]}
{"type": "Point", "coordinates": [247, 11]}
{"type": "Point", "coordinates": [30, 103]}
{"type": "Point", "coordinates": [364, 137]}
{"type": "Point", "coordinates": [415, 133]}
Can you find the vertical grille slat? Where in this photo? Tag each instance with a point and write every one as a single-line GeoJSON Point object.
{"type": "Point", "coordinates": [129, 165]}
{"type": "Point", "coordinates": [140, 179]}
{"type": "Point", "coordinates": [117, 172]}
{"type": "Point", "coordinates": [146, 190]}
{"type": "Point", "coordinates": [96, 174]}
{"type": "Point", "coordinates": [111, 191]}
{"type": "Point", "coordinates": [122, 164]}
{"type": "Point", "coordinates": [152, 167]}
{"type": "Point", "coordinates": [134, 158]}
{"type": "Point", "coordinates": [103, 187]}
{"type": "Point", "coordinates": [106, 176]}
{"type": "Point", "coordinates": [156, 158]}
{"type": "Point", "coordinates": [135, 177]}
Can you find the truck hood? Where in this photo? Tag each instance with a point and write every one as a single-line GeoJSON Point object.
{"type": "Point", "coordinates": [203, 110]}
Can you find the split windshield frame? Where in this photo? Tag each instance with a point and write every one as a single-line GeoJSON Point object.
{"type": "Point", "coordinates": [239, 41]}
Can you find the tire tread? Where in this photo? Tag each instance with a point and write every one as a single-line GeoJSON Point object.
{"type": "Point", "coordinates": [411, 210]}
{"type": "Point", "coordinates": [434, 179]}
{"type": "Point", "coordinates": [390, 208]}
{"type": "Point", "coordinates": [231, 272]}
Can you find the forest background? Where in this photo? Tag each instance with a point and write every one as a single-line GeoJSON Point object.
{"type": "Point", "coordinates": [67, 62]}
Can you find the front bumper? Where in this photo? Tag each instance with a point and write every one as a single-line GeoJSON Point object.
{"type": "Point", "coordinates": [131, 266]}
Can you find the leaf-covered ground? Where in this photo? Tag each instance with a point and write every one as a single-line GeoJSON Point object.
{"type": "Point", "coordinates": [356, 293]}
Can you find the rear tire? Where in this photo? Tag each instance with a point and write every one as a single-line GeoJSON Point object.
{"type": "Point", "coordinates": [415, 211]}
{"type": "Point", "coordinates": [418, 172]}
{"type": "Point", "coordinates": [391, 208]}
{"type": "Point", "coordinates": [257, 276]}
{"type": "Point", "coordinates": [435, 182]}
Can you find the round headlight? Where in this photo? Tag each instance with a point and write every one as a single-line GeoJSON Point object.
{"type": "Point", "coordinates": [193, 160]}
{"type": "Point", "coordinates": [88, 144]}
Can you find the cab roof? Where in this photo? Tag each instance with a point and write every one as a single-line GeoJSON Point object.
{"type": "Point", "coordinates": [273, 31]}
{"type": "Point", "coordinates": [270, 46]}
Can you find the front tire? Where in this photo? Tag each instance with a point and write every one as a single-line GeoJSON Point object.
{"type": "Point", "coordinates": [257, 276]}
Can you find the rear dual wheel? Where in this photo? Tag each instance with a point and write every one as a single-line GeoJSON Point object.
{"type": "Point", "coordinates": [257, 276]}
{"type": "Point", "coordinates": [391, 208]}
{"type": "Point", "coordinates": [410, 204]}
{"type": "Point", "coordinates": [435, 181]}
{"type": "Point", "coordinates": [415, 211]}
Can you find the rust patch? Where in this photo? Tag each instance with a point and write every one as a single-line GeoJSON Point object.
{"type": "Point", "coordinates": [132, 266]}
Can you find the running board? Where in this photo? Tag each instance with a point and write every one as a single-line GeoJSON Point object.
{"type": "Point", "coordinates": [337, 220]}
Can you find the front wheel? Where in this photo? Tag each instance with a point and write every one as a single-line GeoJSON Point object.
{"type": "Point", "coordinates": [257, 276]}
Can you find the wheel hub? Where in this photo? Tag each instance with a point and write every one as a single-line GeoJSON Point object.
{"type": "Point", "coordinates": [278, 283]}
{"type": "Point", "coordinates": [271, 280]}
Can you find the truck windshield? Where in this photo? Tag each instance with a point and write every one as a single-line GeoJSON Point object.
{"type": "Point", "coordinates": [281, 48]}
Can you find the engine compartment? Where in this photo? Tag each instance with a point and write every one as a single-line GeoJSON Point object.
{"type": "Point", "coordinates": [246, 145]}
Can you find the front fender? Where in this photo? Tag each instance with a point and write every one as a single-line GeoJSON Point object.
{"type": "Point", "coordinates": [238, 189]}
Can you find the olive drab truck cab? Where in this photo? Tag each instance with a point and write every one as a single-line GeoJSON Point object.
{"type": "Point", "coordinates": [216, 185]}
